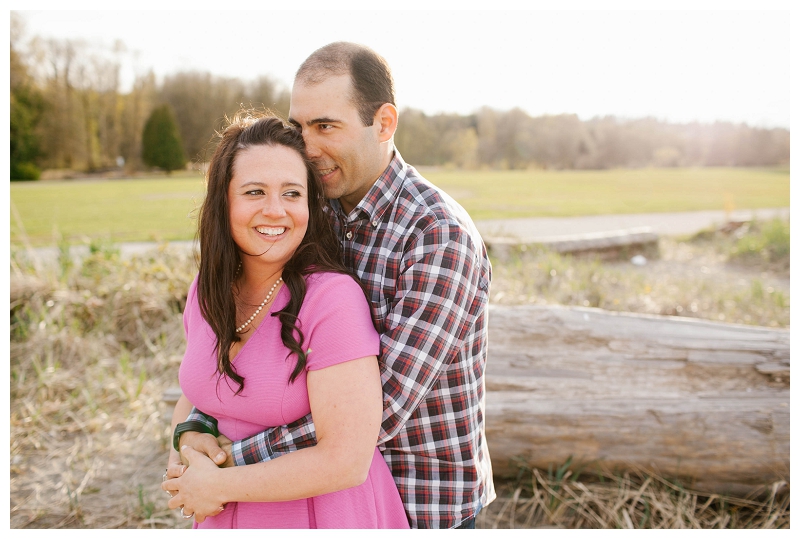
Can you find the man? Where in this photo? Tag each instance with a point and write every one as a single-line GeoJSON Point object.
{"type": "Point", "coordinates": [427, 275]}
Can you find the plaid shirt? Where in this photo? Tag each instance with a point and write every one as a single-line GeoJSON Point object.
{"type": "Point", "coordinates": [427, 275]}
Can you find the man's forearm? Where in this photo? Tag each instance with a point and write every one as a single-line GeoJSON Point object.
{"type": "Point", "coordinates": [275, 442]}
{"type": "Point", "coordinates": [266, 445]}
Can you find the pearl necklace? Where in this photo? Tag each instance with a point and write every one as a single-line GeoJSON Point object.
{"type": "Point", "coordinates": [241, 328]}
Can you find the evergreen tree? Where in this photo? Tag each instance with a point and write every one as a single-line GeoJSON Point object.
{"type": "Point", "coordinates": [27, 107]}
{"type": "Point", "coordinates": [161, 142]}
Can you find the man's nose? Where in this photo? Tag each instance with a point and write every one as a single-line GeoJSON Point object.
{"type": "Point", "coordinates": [312, 150]}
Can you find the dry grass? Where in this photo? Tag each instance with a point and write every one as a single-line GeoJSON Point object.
{"type": "Point", "coordinates": [741, 278]}
{"type": "Point", "coordinates": [92, 349]}
{"type": "Point", "coordinates": [95, 344]}
{"type": "Point", "coordinates": [633, 500]}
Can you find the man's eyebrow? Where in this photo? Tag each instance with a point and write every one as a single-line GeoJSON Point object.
{"type": "Point", "coordinates": [294, 122]}
{"type": "Point", "coordinates": [323, 120]}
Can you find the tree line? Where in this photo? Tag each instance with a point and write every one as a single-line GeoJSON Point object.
{"type": "Point", "coordinates": [68, 111]}
{"type": "Point", "coordinates": [514, 140]}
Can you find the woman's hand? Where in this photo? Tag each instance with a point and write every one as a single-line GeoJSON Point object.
{"type": "Point", "coordinates": [174, 469]}
{"type": "Point", "coordinates": [196, 490]}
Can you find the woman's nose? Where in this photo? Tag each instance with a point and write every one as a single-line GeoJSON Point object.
{"type": "Point", "coordinates": [273, 206]}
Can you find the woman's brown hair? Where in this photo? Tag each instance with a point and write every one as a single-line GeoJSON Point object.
{"type": "Point", "coordinates": [220, 257]}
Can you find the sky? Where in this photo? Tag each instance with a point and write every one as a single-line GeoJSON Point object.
{"type": "Point", "coordinates": [675, 65]}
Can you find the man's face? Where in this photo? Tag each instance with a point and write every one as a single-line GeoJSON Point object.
{"type": "Point", "coordinates": [346, 153]}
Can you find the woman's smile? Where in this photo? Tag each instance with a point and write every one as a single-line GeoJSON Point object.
{"type": "Point", "coordinates": [270, 231]}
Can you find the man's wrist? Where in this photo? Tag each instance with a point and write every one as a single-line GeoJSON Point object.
{"type": "Point", "coordinates": [237, 453]}
{"type": "Point", "coordinates": [191, 426]}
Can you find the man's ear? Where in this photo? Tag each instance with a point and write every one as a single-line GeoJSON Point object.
{"type": "Point", "coordinates": [386, 120]}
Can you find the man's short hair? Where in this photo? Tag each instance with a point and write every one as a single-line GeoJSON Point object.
{"type": "Point", "coordinates": [369, 72]}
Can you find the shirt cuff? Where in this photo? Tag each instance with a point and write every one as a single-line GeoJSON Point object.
{"type": "Point", "coordinates": [197, 415]}
{"type": "Point", "coordinates": [251, 451]}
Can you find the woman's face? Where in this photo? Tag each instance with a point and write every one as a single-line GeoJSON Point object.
{"type": "Point", "coordinates": [268, 204]}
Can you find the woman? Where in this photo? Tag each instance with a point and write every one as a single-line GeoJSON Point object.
{"type": "Point", "coordinates": [276, 327]}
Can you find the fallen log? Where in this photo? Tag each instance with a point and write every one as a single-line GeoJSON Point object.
{"type": "Point", "coordinates": [683, 398]}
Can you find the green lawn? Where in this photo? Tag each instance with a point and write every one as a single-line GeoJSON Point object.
{"type": "Point", "coordinates": [160, 209]}
{"type": "Point", "coordinates": [491, 194]}
{"type": "Point", "coordinates": [156, 209]}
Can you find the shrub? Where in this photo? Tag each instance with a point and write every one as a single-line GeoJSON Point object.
{"type": "Point", "coordinates": [24, 172]}
{"type": "Point", "coordinates": [161, 141]}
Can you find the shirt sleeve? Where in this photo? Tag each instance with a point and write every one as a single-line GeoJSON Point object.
{"type": "Point", "coordinates": [439, 294]}
{"type": "Point", "coordinates": [336, 322]}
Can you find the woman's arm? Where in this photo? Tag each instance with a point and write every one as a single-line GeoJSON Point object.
{"type": "Point", "coordinates": [182, 409]}
{"type": "Point", "coordinates": [347, 404]}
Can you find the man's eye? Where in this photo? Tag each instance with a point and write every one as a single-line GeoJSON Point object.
{"type": "Point", "coordinates": [325, 127]}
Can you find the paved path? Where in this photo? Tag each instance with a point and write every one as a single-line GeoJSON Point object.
{"type": "Point", "coordinates": [529, 229]}
{"type": "Point", "coordinates": [546, 229]}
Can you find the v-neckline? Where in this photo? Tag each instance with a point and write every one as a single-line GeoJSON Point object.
{"type": "Point", "coordinates": [263, 320]}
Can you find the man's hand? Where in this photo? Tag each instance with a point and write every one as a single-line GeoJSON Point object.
{"type": "Point", "coordinates": [213, 448]}
{"type": "Point", "coordinates": [226, 445]}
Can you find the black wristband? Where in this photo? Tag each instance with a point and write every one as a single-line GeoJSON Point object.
{"type": "Point", "coordinates": [191, 426]}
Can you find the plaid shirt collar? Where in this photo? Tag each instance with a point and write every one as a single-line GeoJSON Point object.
{"type": "Point", "coordinates": [380, 196]}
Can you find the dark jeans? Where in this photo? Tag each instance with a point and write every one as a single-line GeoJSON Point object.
{"type": "Point", "coordinates": [468, 524]}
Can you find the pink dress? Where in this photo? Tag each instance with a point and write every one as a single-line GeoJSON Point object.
{"type": "Point", "coordinates": [337, 326]}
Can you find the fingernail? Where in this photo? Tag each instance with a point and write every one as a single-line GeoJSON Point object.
{"type": "Point", "coordinates": [183, 447]}
{"type": "Point", "coordinates": [221, 455]}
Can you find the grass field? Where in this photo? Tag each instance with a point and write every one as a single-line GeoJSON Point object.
{"type": "Point", "coordinates": [163, 209]}
{"type": "Point", "coordinates": [498, 194]}
{"type": "Point", "coordinates": [76, 211]}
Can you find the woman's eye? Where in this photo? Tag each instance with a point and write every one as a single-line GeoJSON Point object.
{"type": "Point", "coordinates": [292, 194]}
{"type": "Point", "coordinates": [255, 192]}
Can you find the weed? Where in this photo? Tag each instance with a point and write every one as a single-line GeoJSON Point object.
{"type": "Point", "coordinates": [146, 508]}
{"type": "Point", "coordinates": [766, 244]}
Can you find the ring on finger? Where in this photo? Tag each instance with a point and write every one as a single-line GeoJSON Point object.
{"type": "Point", "coordinates": [185, 515]}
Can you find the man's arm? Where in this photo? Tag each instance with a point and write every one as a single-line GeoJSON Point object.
{"type": "Point", "coordinates": [260, 447]}
{"type": "Point", "coordinates": [437, 296]}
